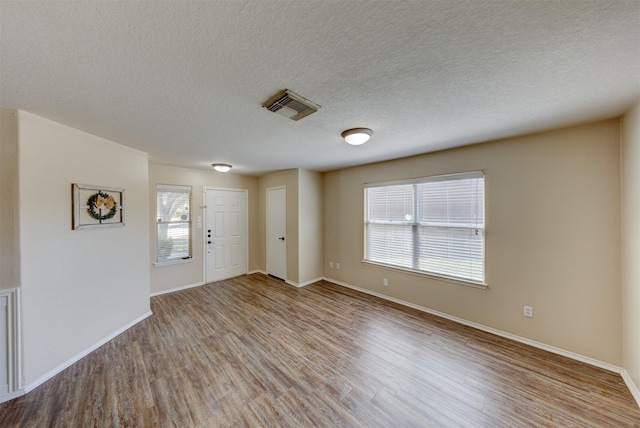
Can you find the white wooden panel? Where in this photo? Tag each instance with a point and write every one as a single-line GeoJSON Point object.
{"type": "Point", "coordinates": [219, 257]}
{"type": "Point", "coordinates": [219, 224]}
{"type": "Point", "coordinates": [235, 255]}
{"type": "Point", "coordinates": [4, 344]}
{"type": "Point", "coordinates": [9, 344]}
{"type": "Point", "coordinates": [234, 223]}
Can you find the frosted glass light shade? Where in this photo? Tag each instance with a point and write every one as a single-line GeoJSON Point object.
{"type": "Point", "coordinates": [357, 136]}
{"type": "Point", "coordinates": [221, 167]}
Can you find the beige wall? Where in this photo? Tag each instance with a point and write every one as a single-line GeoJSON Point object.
{"type": "Point", "coordinates": [552, 242]}
{"type": "Point", "coordinates": [289, 179]}
{"type": "Point", "coordinates": [553, 236]}
{"type": "Point", "coordinates": [304, 222]}
{"type": "Point", "coordinates": [631, 243]}
{"type": "Point", "coordinates": [172, 276]}
{"type": "Point", "coordinates": [10, 242]}
{"type": "Point", "coordinates": [310, 225]}
{"type": "Point", "coordinates": [78, 286]}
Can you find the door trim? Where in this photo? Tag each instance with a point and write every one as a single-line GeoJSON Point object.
{"type": "Point", "coordinates": [204, 229]}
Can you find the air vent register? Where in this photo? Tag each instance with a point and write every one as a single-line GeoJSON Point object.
{"type": "Point", "coordinates": [289, 104]}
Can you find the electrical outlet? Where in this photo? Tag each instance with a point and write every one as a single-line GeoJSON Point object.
{"type": "Point", "coordinates": [330, 265]}
{"type": "Point", "coordinates": [385, 282]}
{"type": "Point", "coordinates": [528, 311]}
{"type": "Point", "coordinates": [337, 265]}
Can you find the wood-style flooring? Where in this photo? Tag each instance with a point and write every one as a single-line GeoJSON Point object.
{"type": "Point", "coordinates": [253, 352]}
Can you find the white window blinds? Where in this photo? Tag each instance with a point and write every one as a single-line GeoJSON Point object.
{"type": "Point", "coordinates": [430, 224]}
{"type": "Point", "coordinates": [173, 216]}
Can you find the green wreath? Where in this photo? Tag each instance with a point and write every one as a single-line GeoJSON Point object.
{"type": "Point", "coordinates": [96, 200]}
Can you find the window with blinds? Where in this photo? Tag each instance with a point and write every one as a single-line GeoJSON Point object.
{"type": "Point", "coordinates": [173, 216]}
{"type": "Point", "coordinates": [433, 225]}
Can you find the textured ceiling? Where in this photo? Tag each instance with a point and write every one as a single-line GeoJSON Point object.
{"type": "Point", "coordinates": [185, 81]}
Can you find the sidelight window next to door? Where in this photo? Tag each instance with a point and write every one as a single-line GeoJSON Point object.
{"type": "Point", "coordinates": [173, 228]}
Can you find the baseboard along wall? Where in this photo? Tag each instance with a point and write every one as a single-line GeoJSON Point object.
{"type": "Point", "coordinates": [173, 290]}
{"type": "Point", "coordinates": [633, 388]}
{"type": "Point", "coordinates": [635, 391]}
{"type": "Point", "coordinates": [51, 373]}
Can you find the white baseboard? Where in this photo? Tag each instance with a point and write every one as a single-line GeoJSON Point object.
{"type": "Point", "coordinates": [12, 395]}
{"type": "Point", "coordinates": [295, 284]}
{"type": "Point", "coordinates": [51, 373]}
{"type": "Point", "coordinates": [286, 281]}
{"type": "Point", "coordinates": [198, 284]}
{"type": "Point", "coordinates": [501, 333]}
{"type": "Point", "coordinates": [172, 290]}
{"type": "Point", "coordinates": [631, 385]}
{"type": "Point", "coordinates": [303, 284]}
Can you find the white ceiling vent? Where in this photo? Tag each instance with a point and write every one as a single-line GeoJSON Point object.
{"type": "Point", "coordinates": [291, 105]}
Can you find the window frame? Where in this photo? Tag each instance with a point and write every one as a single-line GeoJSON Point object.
{"type": "Point", "coordinates": [170, 188]}
{"type": "Point", "coordinates": [413, 253]}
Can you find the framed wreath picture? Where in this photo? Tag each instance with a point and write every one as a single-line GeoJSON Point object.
{"type": "Point", "coordinates": [97, 206]}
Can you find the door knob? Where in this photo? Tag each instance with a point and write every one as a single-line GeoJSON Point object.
{"type": "Point", "coordinates": [208, 242]}
{"type": "Point", "coordinates": [281, 238]}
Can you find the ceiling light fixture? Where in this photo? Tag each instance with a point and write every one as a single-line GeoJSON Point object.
{"type": "Point", "coordinates": [357, 136]}
{"type": "Point", "coordinates": [221, 167]}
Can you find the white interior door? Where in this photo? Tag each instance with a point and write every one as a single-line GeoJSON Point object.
{"type": "Point", "coordinates": [276, 232]}
{"type": "Point", "coordinates": [225, 233]}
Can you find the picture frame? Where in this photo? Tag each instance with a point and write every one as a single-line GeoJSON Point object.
{"type": "Point", "coordinates": [96, 206]}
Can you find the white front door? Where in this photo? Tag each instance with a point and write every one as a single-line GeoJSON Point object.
{"type": "Point", "coordinates": [276, 232]}
{"type": "Point", "coordinates": [225, 237]}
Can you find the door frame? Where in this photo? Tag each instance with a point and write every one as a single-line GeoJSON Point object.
{"type": "Point", "coordinates": [204, 228]}
{"type": "Point", "coordinates": [266, 228]}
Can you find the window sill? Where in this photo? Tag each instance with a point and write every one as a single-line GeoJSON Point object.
{"type": "Point", "coordinates": [173, 262]}
{"type": "Point", "coordinates": [480, 285]}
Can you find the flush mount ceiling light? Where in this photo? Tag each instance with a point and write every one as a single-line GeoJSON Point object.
{"type": "Point", "coordinates": [357, 136]}
{"type": "Point", "coordinates": [221, 167]}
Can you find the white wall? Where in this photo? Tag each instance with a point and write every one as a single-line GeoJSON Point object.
{"type": "Point", "coordinates": [168, 277]}
{"type": "Point", "coordinates": [552, 237]}
{"type": "Point", "coordinates": [9, 244]}
{"type": "Point", "coordinates": [631, 244]}
{"type": "Point", "coordinates": [78, 286]}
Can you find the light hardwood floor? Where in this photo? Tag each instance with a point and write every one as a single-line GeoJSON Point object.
{"type": "Point", "coordinates": [253, 352]}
